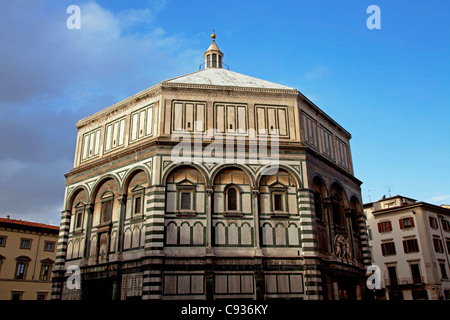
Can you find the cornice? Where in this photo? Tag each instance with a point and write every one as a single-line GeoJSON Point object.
{"type": "Point", "coordinates": [411, 206]}
{"type": "Point", "coordinates": [227, 88]}
{"type": "Point", "coordinates": [147, 93]}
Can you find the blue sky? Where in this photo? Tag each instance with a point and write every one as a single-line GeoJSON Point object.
{"type": "Point", "coordinates": [389, 88]}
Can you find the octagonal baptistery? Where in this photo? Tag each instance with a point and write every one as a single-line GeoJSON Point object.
{"type": "Point", "coordinates": [212, 185]}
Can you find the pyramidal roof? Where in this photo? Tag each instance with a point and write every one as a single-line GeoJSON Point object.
{"type": "Point", "coordinates": [212, 75]}
{"type": "Point", "coordinates": [223, 77]}
{"type": "Point", "coordinates": [215, 75]}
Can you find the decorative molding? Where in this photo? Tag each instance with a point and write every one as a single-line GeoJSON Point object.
{"type": "Point", "coordinates": [122, 173]}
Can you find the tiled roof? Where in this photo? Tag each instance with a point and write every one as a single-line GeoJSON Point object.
{"type": "Point", "coordinates": [28, 223]}
{"type": "Point", "coordinates": [222, 77]}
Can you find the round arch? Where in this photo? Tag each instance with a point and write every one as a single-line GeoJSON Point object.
{"type": "Point", "coordinates": [355, 203]}
{"type": "Point", "coordinates": [223, 167]}
{"type": "Point", "coordinates": [132, 172]}
{"type": "Point", "coordinates": [72, 195]}
{"type": "Point", "coordinates": [99, 183]}
{"type": "Point", "coordinates": [318, 182]}
{"type": "Point", "coordinates": [267, 169]}
{"type": "Point", "coordinates": [179, 166]}
{"type": "Point", "coordinates": [341, 190]}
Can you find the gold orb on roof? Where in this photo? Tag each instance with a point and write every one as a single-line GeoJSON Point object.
{"type": "Point", "coordinates": [213, 35]}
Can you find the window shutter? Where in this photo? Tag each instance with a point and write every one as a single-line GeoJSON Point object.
{"type": "Point", "coordinates": [401, 223]}
{"type": "Point", "coordinates": [412, 222]}
{"type": "Point", "coordinates": [389, 226]}
{"type": "Point", "coordinates": [379, 227]}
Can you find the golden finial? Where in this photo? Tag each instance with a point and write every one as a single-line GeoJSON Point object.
{"type": "Point", "coordinates": [213, 36]}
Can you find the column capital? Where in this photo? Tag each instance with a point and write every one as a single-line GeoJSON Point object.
{"type": "Point", "coordinates": [90, 208]}
{"type": "Point", "coordinates": [122, 198]}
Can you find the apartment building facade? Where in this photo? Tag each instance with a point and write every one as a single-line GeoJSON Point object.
{"type": "Point", "coordinates": [410, 242]}
{"type": "Point", "coordinates": [27, 257]}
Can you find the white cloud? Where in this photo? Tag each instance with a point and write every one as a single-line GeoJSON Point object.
{"type": "Point", "coordinates": [52, 77]}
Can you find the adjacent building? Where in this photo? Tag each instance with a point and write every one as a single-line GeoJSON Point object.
{"type": "Point", "coordinates": [212, 185]}
{"type": "Point", "coordinates": [27, 257]}
{"type": "Point", "coordinates": [410, 242]}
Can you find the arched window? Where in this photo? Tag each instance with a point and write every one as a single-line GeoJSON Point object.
{"type": "Point", "coordinates": [78, 208]}
{"type": "Point", "coordinates": [318, 206]}
{"type": "Point", "coordinates": [337, 209]}
{"type": "Point", "coordinates": [135, 187]}
{"type": "Point", "coordinates": [232, 199]}
{"type": "Point", "coordinates": [107, 205]}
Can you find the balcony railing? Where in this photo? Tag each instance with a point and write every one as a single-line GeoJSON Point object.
{"type": "Point", "coordinates": [403, 281]}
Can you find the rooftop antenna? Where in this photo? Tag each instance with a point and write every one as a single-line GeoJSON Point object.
{"type": "Point", "coordinates": [388, 190]}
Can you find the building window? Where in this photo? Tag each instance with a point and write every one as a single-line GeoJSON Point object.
{"type": "Point", "coordinates": [186, 200]}
{"type": "Point", "coordinates": [410, 246]}
{"type": "Point", "coordinates": [16, 295]}
{"type": "Point", "coordinates": [45, 274]}
{"type": "Point", "coordinates": [106, 212]}
{"type": "Point", "coordinates": [443, 270]}
{"type": "Point", "coordinates": [232, 200]}
{"type": "Point", "coordinates": [447, 242]}
{"type": "Point", "coordinates": [318, 206]}
{"type": "Point", "coordinates": [137, 205]}
{"type": "Point", "coordinates": [433, 222]}
{"type": "Point", "coordinates": [137, 201]}
{"type": "Point", "coordinates": [79, 213]}
{"type": "Point", "coordinates": [406, 223]}
{"type": "Point", "coordinates": [21, 268]}
{"type": "Point", "coordinates": [78, 219]}
{"type": "Point", "coordinates": [445, 225]}
{"type": "Point", "coordinates": [337, 209]}
{"type": "Point", "coordinates": [49, 246]}
{"type": "Point", "coordinates": [384, 226]}
{"type": "Point", "coordinates": [388, 249]}
{"type": "Point", "coordinates": [392, 271]}
{"type": "Point", "coordinates": [41, 296]}
{"type": "Point", "coordinates": [415, 272]}
{"type": "Point", "coordinates": [25, 243]}
{"type": "Point", "coordinates": [2, 241]}
{"type": "Point", "coordinates": [278, 200]}
{"type": "Point", "coordinates": [438, 245]}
